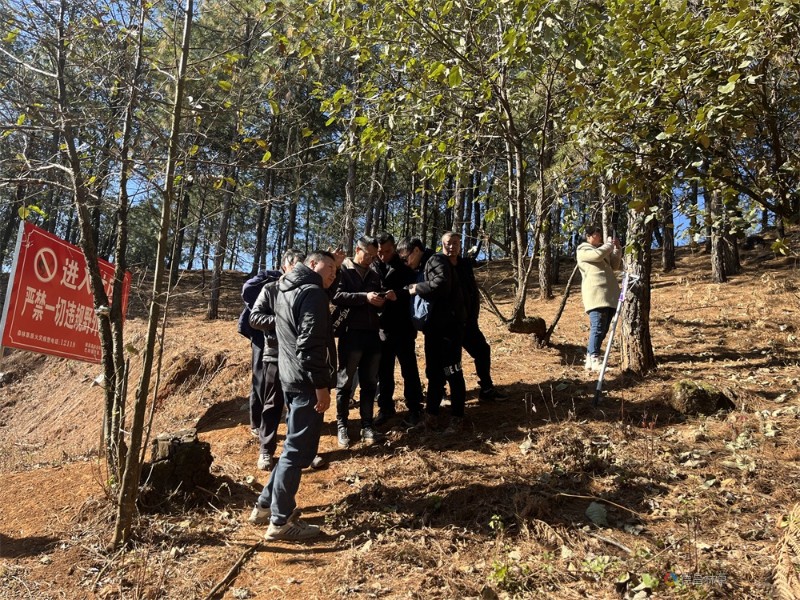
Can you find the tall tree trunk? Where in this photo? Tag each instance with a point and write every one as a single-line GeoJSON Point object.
{"type": "Point", "coordinates": [201, 219]}
{"type": "Point", "coordinates": [637, 346]}
{"type": "Point", "coordinates": [116, 402]}
{"type": "Point", "coordinates": [668, 225]}
{"type": "Point", "coordinates": [718, 273]}
{"type": "Point", "coordinates": [555, 226]}
{"type": "Point", "coordinates": [182, 213]}
{"type": "Point", "coordinates": [426, 212]}
{"type": "Point", "coordinates": [544, 204]}
{"type": "Point", "coordinates": [349, 225]}
{"type": "Point", "coordinates": [130, 480]}
{"type": "Point", "coordinates": [382, 199]}
{"type": "Point", "coordinates": [212, 311]}
{"type": "Point", "coordinates": [693, 200]}
{"type": "Point", "coordinates": [708, 217]}
{"type": "Point", "coordinates": [369, 226]}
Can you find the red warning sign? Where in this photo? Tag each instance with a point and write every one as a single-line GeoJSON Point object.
{"type": "Point", "coordinates": [49, 306]}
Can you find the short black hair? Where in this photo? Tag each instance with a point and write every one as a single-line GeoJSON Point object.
{"type": "Point", "coordinates": [365, 241]}
{"type": "Point", "coordinates": [383, 237]}
{"type": "Point", "coordinates": [592, 229]}
{"type": "Point", "coordinates": [318, 255]}
{"type": "Point", "coordinates": [292, 256]}
{"type": "Point", "coordinates": [408, 244]}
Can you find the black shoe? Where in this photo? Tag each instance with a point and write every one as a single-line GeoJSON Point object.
{"type": "Point", "coordinates": [412, 419]}
{"type": "Point", "coordinates": [384, 417]}
{"type": "Point", "coordinates": [369, 436]}
{"type": "Point", "coordinates": [492, 394]}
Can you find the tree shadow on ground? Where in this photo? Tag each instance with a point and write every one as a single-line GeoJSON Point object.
{"type": "Point", "coordinates": [26, 546]}
{"type": "Point", "coordinates": [224, 415]}
{"type": "Point", "coordinates": [559, 500]}
{"type": "Point", "coordinates": [758, 357]}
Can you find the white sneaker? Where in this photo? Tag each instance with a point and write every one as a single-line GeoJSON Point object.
{"type": "Point", "coordinates": [295, 529]}
{"type": "Point", "coordinates": [265, 462]}
{"type": "Point", "coordinates": [259, 516]}
{"type": "Point", "coordinates": [587, 364]}
{"type": "Point", "coordinates": [597, 364]}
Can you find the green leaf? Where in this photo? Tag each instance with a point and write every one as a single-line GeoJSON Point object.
{"type": "Point", "coordinates": [23, 212]}
{"type": "Point", "coordinates": [454, 77]}
{"type": "Point", "coordinates": [267, 156]}
{"type": "Point", "coordinates": [727, 88]}
{"type": "Point", "coordinates": [225, 85]}
{"type": "Point", "coordinates": [193, 150]}
{"type": "Point", "coordinates": [21, 119]}
{"type": "Point", "coordinates": [330, 121]}
{"type": "Point", "coordinates": [307, 132]}
{"type": "Point", "coordinates": [11, 36]}
{"type": "Point", "coordinates": [637, 204]}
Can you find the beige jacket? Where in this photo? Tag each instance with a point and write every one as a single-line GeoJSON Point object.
{"type": "Point", "coordinates": [599, 287]}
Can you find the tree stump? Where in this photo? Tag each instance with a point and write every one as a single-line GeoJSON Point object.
{"type": "Point", "coordinates": [698, 398]}
{"type": "Point", "coordinates": [179, 462]}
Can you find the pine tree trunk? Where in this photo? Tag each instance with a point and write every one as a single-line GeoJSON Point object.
{"type": "Point", "coordinates": [668, 224]}
{"type": "Point", "coordinates": [349, 211]}
{"type": "Point", "coordinates": [693, 199]}
{"type": "Point", "coordinates": [718, 273]}
{"type": "Point", "coordinates": [130, 481]}
{"type": "Point", "coordinates": [212, 310]}
{"type": "Point", "coordinates": [637, 346]}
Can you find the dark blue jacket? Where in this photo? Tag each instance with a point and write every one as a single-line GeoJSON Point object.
{"type": "Point", "coordinates": [250, 291]}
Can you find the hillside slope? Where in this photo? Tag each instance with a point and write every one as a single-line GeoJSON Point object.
{"type": "Point", "coordinates": [497, 512]}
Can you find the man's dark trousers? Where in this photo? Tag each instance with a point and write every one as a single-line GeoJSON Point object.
{"type": "Point", "coordinates": [477, 347]}
{"type": "Point", "coordinates": [359, 351]}
{"type": "Point", "coordinates": [443, 365]}
{"type": "Point", "coordinates": [257, 389]}
{"type": "Point", "coordinates": [401, 347]}
{"type": "Point", "coordinates": [272, 409]}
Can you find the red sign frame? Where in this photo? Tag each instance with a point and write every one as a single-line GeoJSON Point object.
{"type": "Point", "coordinates": [49, 306]}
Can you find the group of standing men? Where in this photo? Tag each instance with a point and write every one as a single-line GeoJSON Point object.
{"type": "Point", "coordinates": [372, 293]}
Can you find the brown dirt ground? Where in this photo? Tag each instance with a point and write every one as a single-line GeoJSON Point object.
{"type": "Point", "coordinates": [499, 511]}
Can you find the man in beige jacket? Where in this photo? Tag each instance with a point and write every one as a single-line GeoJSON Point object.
{"type": "Point", "coordinates": [597, 262]}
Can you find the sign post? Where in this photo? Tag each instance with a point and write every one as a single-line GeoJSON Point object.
{"type": "Point", "coordinates": [49, 306]}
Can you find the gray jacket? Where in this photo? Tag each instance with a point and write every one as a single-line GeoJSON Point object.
{"type": "Point", "coordinates": [262, 317]}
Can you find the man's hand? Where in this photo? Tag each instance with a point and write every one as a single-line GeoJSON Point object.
{"type": "Point", "coordinates": [323, 400]}
{"type": "Point", "coordinates": [375, 299]}
{"type": "Point", "coordinates": [412, 289]}
{"type": "Point", "coordinates": [390, 295]}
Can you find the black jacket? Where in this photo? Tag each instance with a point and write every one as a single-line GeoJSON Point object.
{"type": "Point", "coordinates": [262, 318]}
{"type": "Point", "coordinates": [396, 315]}
{"type": "Point", "coordinates": [442, 288]}
{"type": "Point", "coordinates": [351, 292]}
{"type": "Point", "coordinates": [469, 288]}
{"type": "Point", "coordinates": [307, 355]}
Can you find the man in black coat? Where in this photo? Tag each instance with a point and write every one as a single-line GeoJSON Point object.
{"type": "Point", "coordinates": [262, 318]}
{"type": "Point", "coordinates": [474, 342]}
{"type": "Point", "coordinates": [250, 291]}
{"type": "Point", "coordinates": [307, 366]}
{"type": "Point", "coordinates": [359, 293]}
{"type": "Point", "coordinates": [397, 335]}
{"type": "Point", "coordinates": [443, 332]}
